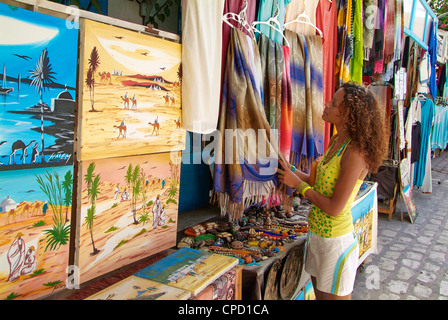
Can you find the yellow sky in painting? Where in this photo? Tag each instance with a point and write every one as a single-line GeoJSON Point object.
{"type": "Point", "coordinates": [131, 52]}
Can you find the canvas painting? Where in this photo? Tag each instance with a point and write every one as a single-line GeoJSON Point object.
{"type": "Point", "coordinates": [131, 93]}
{"type": "Point", "coordinates": [127, 210]}
{"type": "Point", "coordinates": [38, 63]}
{"type": "Point", "coordinates": [136, 288]}
{"type": "Point", "coordinates": [35, 231]}
{"type": "Point", "coordinates": [189, 269]}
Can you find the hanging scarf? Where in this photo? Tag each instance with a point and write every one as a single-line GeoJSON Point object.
{"type": "Point", "coordinates": [389, 32]}
{"type": "Point", "coordinates": [370, 7]}
{"type": "Point", "coordinates": [345, 42]}
{"type": "Point", "coordinates": [399, 28]}
{"type": "Point", "coordinates": [379, 38]}
{"type": "Point", "coordinates": [307, 99]}
{"type": "Point", "coordinates": [356, 62]}
{"type": "Point", "coordinates": [272, 66]}
{"type": "Point", "coordinates": [286, 104]}
{"type": "Point", "coordinates": [242, 176]}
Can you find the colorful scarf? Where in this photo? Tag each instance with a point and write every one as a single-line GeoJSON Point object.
{"type": "Point", "coordinates": [370, 7]}
{"type": "Point", "coordinates": [345, 42]}
{"type": "Point", "coordinates": [356, 62]}
{"type": "Point", "coordinates": [286, 119]}
{"type": "Point", "coordinates": [389, 32]}
{"type": "Point", "coordinates": [242, 176]}
{"type": "Point", "coordinates": [307, 99]}
{"type": "Point", "coordinates": [272, 66]}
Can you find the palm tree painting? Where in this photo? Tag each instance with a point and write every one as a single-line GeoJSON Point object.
{"type": "Point", "coordinates": [116, 204]}
{"type": "Point", "coordinates": [94, 62]}
{"type": "Point", "coordinates": [41, 76]}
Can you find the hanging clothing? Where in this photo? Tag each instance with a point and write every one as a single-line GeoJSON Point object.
{"type": "Point", "coordinates": [356, 61]}
{"type": "Point", "coordinates": [389, 31]}
{"type": "Point", "coordinates": [439, 137]}
{"type": "Point", "coordinates": [243, 174]}
{"type": "Point", "coordinates": [378, 50]}
{"type": "Point", "coordinates": [370, 15]}
{"type": "Point", "coordinates": [327, 22]}
{"type": "Point", "coordinates": [272, 67]}
{"type": "Point", "coordinates": [297, 7]}
{"type": "Point", "coordinates": [432, 50]}
{"type": "Point", "coordinates": [268, 9]}
{"type": "Point", "coordinates": [422, 168]}
{"type": "Point", "coordinates": [286, 107]}
{"type": "Point", "coordinates": [345, 42]}
{"type": "Point", "coordinates": [307, 99]}
{"type": "Point", "coordinates": [201, 62]}
{"type": "Point", "coordinates": [399, 29]}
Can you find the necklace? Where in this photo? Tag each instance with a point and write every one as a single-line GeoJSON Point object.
{"type": "Point", "coordinates": [336, 150]}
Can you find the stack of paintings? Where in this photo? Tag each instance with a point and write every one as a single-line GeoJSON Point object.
{"type": "Point", "coordinates": [38, 57]}
{"type": "Point", "coordinates": [129, 147]}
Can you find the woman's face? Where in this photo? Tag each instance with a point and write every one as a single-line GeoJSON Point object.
{"type": "Point", "coordinates": [332, 111]}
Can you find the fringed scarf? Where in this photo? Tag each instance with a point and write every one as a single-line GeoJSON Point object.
{"type": "Point", "coordinates": [356, 62]}
{"type": "Point", "coordinates": [307, 99]}
{"type": "Point", "coordinates": [379, 38]}
{"type": "Point", "coordinates": [286, 119]}
{"type": "Point", "coordinates": [345, 42]}
{"type": "Point", "coordinates": [242, 175]}
{"type": "Point", "coordinates": [389, 32]}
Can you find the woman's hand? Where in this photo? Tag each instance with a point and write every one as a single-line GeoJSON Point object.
{"type": "Point", "coordinates": [286, 176]}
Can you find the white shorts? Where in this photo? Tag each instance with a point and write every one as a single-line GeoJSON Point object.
{"type": "Point", "coordinates": [333, 262]}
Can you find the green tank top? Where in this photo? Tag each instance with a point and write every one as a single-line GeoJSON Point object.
{"type": "Point", "coordinates": [327, 174]}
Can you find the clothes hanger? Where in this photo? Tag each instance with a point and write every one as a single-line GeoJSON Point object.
{"type": "Point", "coordinates": [306, 20]}
{"type": "Point", "coordinates": [241, 19]}
{"type": "Point", "coordinates": [276, 25]}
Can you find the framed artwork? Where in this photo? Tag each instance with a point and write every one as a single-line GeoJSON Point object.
{"type": "Point", "coordinates": [127, 211]}
{"type": "Point", "coordinates": [365, 220]}
{"type": "Point", "coordinates": [35, 231]}
{"type": "Point", "coordinates": [38, 63]}
{"type": "Point", "coordinates": [406, 194]}
{"type": "Point", "coordinates": [130, 93]}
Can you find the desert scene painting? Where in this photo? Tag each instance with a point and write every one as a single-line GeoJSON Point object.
{"type": "Point", "coordinates": [35, 231]}
{"type": "Point", "coordinates": [130, 102]}
{"type": "Point", "coordinates": [127, 210]}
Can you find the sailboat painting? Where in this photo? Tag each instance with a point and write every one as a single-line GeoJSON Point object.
{"type": "Point", "coordinates": [38, 63]}
{"type": "Point", "coordinates": [130, 93]}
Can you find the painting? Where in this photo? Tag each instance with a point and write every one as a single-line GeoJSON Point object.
{"type": "Point", "coordinates": [136, 288]}
{"type": "Point", "coordinates": [127, 210]}
{"type": "Point", "coordinates": [130, 93]}
{"type": "Point", "coordinates": [35, 231]}
{"type": "Point", "coordinates": [406, 194]}
{"type": "Point", "coordinates": [189, 269]}
{"type": "Point", "coordinates": [365, 219]}
{"type": "Point", "coordinates": [38, 63]}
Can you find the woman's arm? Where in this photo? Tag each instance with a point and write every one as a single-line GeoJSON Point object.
{"type": "Point", "coordinates": [353, 166]}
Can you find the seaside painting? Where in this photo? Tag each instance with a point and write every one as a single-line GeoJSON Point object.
{"type": "Point", "coordinates": [130, 97]}
{"type": "Point", "coordinates": [35, 231]}
{"type": "Point", "coordinates": [127, 211]}
{"type": "Point", "coordinates": [38, 63]}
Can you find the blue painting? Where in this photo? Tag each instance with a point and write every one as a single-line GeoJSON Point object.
{"type": "Point", "coordinates": [38, 63]}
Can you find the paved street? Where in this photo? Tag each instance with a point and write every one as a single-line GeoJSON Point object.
{"type": "Point", "coordinates": [411, 260]}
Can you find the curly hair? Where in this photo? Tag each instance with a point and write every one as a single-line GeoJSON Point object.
{"type": "Point", "coordinates": [365, 123]}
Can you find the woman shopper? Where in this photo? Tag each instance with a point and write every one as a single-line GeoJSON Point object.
{"type": "Point", "coordinates": [359, 146]}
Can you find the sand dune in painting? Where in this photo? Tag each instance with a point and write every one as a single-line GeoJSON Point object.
{"type": "Point", "coordinates": [134, 105]}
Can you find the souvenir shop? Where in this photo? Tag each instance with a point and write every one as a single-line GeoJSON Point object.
{"type": "Point", "coordinates": [150, 157]}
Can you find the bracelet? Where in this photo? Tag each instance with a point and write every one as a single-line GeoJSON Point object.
{"type": "Point", "coordinates": [293, 168]}
{"type": "Point", "coordinates": [303, 187]}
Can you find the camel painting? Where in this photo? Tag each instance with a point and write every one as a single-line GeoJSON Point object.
{"type": "Point", "coordinates": [38, 59]}
{"type": "Point", "coordinates": [141, 67]}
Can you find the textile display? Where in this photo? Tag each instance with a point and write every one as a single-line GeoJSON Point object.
{"type": "Point", "coordinates": [286, 106]}
{"type": "Point", "coordinates": [307, 99]}
{"type": "Point", "coordinates": [242, 173]}
{"type": "Point", "coordinates": [356, 61]}
{"type": "Point", "coordinates": [201, 57]}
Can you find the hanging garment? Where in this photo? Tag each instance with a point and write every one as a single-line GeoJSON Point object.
{"type": "Point", "coordinates": [235, 6]}
{"type": "Point", "coordinates": [432, 50]}
{"type": "Point", "coordinates": [268, 9]}
{"type": "Point", "coordinates": [370, 7]}
{"type": "Point", "coordinates": [327, 22]}
{"type": "Point", "coordinates": [413, 116]}
{"type": "Point", "coordinates": [201, 62]}
{"type": "Point", "coordinates": [272, 66]}
{"type": "Point", "coordinates": [439, 137]}
{"type": "Point", "coordinates": [286, 107]}
{"type": "Point", "coordinates": [345, 42]}
{"type": "Point", "coordinates": [378, 50]}
{"type": "Point", "coordinates": [422, 176]}
{"type": "Point", "coordinates": [389, 32]}
{"type": "Point", "coordinates": [243, 173]}
{"type": "Point", "coordinates": [356, 61]}
{"type": "Point", "coordinates": [307, 99]}
{"type": "Point", "coordinates": [399, 29]}
{"type": "Point", "coordinates": [296, 7]}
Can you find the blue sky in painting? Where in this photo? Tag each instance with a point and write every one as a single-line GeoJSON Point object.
{"type": "Point", "coordinates": [61, 45]}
